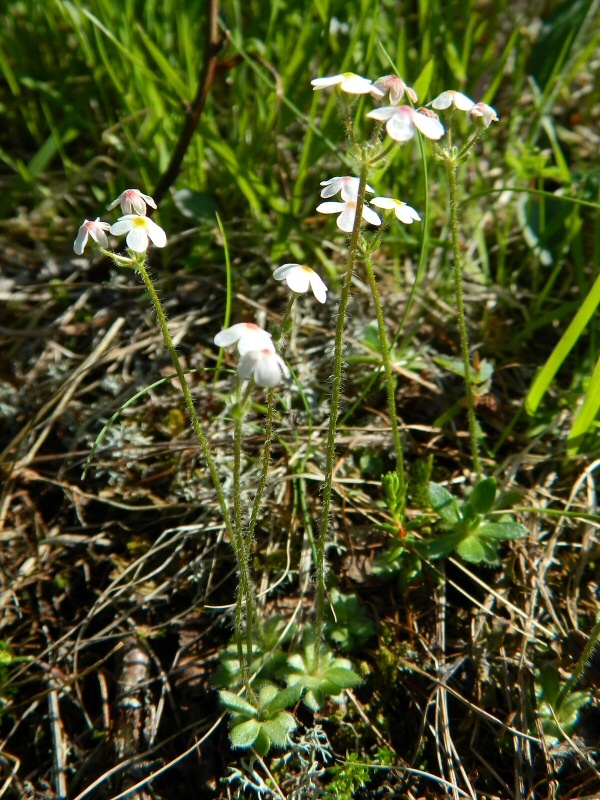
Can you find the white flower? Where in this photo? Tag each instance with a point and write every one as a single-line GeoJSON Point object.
{"type": "Point", "coordinates": [300, 279]}
{"type": "Point", "coordinates": [347, 214]}
{"type": "Point", "coordinates": [483, 115]}
{"type": "Point", "coordinates": [452, 98]}
{"type": "Point", "coordinates": [247, 336]}
{"type": "Point", "coordinates": [265, 366]}
{"type": "Point", "coordinates": [403, 212]}
{"type": "Point", "coordinates": [395, 89]}
{"type": "Point", "coordinates": [402, 121]}
{"type": "Point", "coordinates": [93, 228]}
{"type": "Point", "coordinates": [348, 82]}
{"type": "Point", "coordinates": [139, 229]}
{"type": "Point", "coordinates": [347, 185]}
{"type": "Point", "coordinates": [132, 201]}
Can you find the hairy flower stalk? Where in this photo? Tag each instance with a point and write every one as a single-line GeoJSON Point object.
{"type": "Point", "coordinates": [246, 595]}
{"type": "Point", "coordinates": [336, 390]}
{"type": "Point", "coordinates": [451, 162]}
{"type": "Point", "coordinates": [390, 381]}
{"type": "Point", "coordinates": [266, 460]}
{"type": "Point", "coordinates": [279, 338]}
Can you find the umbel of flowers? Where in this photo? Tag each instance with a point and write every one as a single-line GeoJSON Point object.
{"type": "Point", "coordinates": [140, 229]}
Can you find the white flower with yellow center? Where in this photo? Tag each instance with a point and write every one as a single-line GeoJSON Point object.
{"type": "Point", "coordinates": [139, 230]}
{"type": "Point", "coordinates": [348, 82]}
{"type": "Point", "coordinates": [347, 214]}
{"type": "Point", "coordinates": [300, 279]}
{"type": "Point", "coordinates": [403, 212]}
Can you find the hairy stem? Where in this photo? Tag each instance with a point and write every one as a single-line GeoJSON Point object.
{"type": "Point", "coordinates": [336, 391]}
{"type": "Point", "coordinates": [452, 170]}
{"type": "Point", "coordinates": [246, 592]}
{"type": "Point", "coordinates": [390, 380]}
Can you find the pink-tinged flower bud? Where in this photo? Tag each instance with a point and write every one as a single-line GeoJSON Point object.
{"type": "Point", "coordinates": [483, 115]}
{"type": "Point", "coordinates": [96, 230]}
{"type": "Point", "coordinates": [132, 201]}
{"type": "Point", "coordinates": [394, 88]}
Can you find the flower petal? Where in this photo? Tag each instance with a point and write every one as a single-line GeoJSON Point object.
{"type": "Point", "coordinates": [265, 366]}
{"type": "Point", "coordinates": [345, 221]}
{"type": "Point", "coordinates": [462, 102]}
{"type": "Point", "coordinates": [406, 213]}
{"type": "Point", "coordinates": [442, 101]}
{"type": "Point", "coordinates": [383, 202]}
{"type": "Point", "coordinates": [281, 272]}
{"type": "Point", "coordinates": [382, 114]}
{"type": "Point", "coordinates": [318, 287]}
{"type": "Point", "coordinates": [370, 216]}
{"type": "Point", "coordinates": [323, 83]}
{"type": "Point", "coordinates": [81, 240]}
{"type": "Point", "coordinates": [355, 84]}
{"type": "Point", "coordinates": [400, 128]}
{"type": "Point", "coordinates": [429, 126]}
{"type": "Point", "coordinates": [137, 239]}
{"type": "Point", "coordinates": [247, 335]}
{"type": "Point", "coordinates": [121, 226]}
{"type": "Point", "coordinates": [157, 236]}
{"type": "Point", "coordinates": [331, 207]}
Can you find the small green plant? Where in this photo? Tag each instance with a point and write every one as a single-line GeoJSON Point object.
{"type": "Point", "coordinates": [265, 724]}
{"type": "Point", "coordinates": [349, 625]}
{"type": "Point", "coordinates": [558, 715]}
{"type": "Point", "coordinates": [353, 774]}
{"type": "Point", "coordinates": [319, 672]}
{"type": "Point", "coordinates": [471, 533]}
{"type": "Point", "coordinates": [347, 778]}
{"type": "Point", "coordinates": [400, 558]}
{"type": "Point", "coordinates": [267, 658]}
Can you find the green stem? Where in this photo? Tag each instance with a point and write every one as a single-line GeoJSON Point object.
{"type": "Point", "coordinates": [390, 380]}
{"type": "Point", "coordinates": [246, 593]}
{"type": "Point", "coordinates": [336, 391]}
{"type": "Point", "coordinates": [281, 331]}
{"type": "Point", "coordinates": [266, 457]}
{"type": "Point", "coordinates": [452, 170]}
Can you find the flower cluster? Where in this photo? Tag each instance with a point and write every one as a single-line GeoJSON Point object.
{"type": "Point", "coordinates": [401, 123]}
{"type": "Point", "coordinates": [348, 188]}
{"type": "Point", "coordinates": [140, 229]}
{"type": "Point", "coordinates": [259, 360]}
